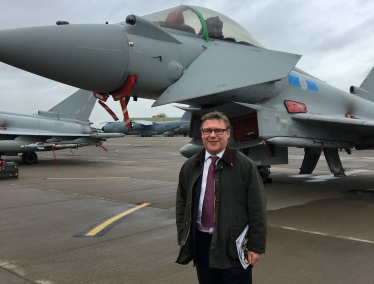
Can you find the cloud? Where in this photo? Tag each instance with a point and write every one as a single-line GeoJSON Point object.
{"type": "Point", "coordinates": [335, 38]}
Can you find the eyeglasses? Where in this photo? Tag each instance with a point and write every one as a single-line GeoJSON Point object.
{"type": "Point", "coordinates": [218, 131]}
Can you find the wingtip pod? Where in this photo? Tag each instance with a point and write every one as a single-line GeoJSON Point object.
{"type": "Point", "coordinates": [63, 53]}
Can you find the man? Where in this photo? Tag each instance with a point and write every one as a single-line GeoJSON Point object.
{"type": "Point", "coordinates": [214, 206]}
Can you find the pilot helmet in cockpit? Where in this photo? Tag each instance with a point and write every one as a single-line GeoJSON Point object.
{"type": "Point", "coordinates": [214, 25]}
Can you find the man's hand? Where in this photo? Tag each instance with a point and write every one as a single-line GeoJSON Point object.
{"type": "Point", "coordinates": [253, 257]}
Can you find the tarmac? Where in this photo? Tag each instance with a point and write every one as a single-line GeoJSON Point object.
{"type": "Point", "coordinates": [109, 217]}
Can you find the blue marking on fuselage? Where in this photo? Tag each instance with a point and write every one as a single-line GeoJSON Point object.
{"type": "Point", "coordinates": [295, 81]}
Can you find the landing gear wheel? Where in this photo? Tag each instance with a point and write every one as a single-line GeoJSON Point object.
{"type": "Point", "coordinates": [30, 158]}
{"type": "Point", "coordinates": [264, 173]}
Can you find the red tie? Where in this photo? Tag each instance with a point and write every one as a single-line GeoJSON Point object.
{"type": "Point", "coordinates": [207, 215]}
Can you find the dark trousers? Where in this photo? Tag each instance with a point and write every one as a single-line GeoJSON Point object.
{"type": "Point", "coordinates": [207, 275]}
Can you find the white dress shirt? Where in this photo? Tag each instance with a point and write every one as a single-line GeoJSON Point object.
{"type": "Point", "coordinates": [207, 163]}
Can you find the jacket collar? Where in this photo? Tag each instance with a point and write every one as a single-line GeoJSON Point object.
{"type": "Point", "coordinates": [228, 157]}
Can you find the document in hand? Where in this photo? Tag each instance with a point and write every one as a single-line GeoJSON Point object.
{"type": "Point", "coordinates": [241, 245]}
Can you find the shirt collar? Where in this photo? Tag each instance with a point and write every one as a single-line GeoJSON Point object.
{"type": "Point", "coordinates": [220, 154]}
{"type": "Point", "coordinates": [228, 156]}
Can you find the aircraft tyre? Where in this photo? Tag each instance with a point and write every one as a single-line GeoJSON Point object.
{"type": "Point", "coordinates": [30, 158]}
{"type": "Point", "coordinates": [264, 173]}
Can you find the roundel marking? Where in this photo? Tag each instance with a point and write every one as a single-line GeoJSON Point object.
{"type": "Point", "coordinates": [303, 84]}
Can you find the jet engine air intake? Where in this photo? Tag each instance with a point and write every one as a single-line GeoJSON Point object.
{"type": "Point", "coordinates": [365, 142]}
{"type": "Point", "coordinates": [245, 128]}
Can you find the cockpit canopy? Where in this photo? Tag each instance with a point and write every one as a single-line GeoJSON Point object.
{"type": "Point", "coordinates": [202, 21]}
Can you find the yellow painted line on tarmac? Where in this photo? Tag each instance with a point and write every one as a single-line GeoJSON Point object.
{"type": "Point", "coordinates": [102, 226]}
{"type": "Point", "coordinates": [84, 178]}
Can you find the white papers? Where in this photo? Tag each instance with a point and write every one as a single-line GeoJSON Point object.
{"type": "Point", "coordinates": [241, 246]}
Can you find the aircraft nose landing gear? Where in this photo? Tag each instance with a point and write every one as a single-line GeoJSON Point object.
{"type": "Point", "coordinates": [29, 158]}
{"type": "Point", "coordinates": [264, 173]}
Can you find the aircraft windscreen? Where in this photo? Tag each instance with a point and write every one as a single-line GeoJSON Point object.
{"type": "Point", "coordinates": [221, 27]}
{"type": "Point", "coordinates": [189, 19]}
{"type": "Point", "coordinates": [180, 18]}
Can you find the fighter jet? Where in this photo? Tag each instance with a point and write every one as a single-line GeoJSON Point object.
{"type": "Point", "coordinates": [64, 126]}
{"type": "Point", "coordinates": [147, 128]}
{"type": "Point", "coordinates": [196, 56]}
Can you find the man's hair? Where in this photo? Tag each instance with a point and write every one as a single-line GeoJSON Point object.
{"type": "Point", "coordinates": [215, 115]}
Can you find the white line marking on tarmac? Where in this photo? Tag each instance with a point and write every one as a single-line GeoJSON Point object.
{"type": "Point", "coordinates": [322, 178]}
{"type": "Point", "coordinates": [349, 173]}
{"type": "Point", "coordinates": [324, 234]}
{"type": "Point", "coordinates": [43, 282]}
{"type": "Point", "coordinates": [12, 267]}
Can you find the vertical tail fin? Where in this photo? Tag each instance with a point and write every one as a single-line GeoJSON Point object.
{"type": "Point", "coordinates": [186, 116]}
{"type": "Point", "coordinates": [77, 106]}
{"type": "Point", "coordinates": [368, 83]}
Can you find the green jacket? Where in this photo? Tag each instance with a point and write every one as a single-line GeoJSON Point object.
{"type": "Point", "coordinates": [240, 201]}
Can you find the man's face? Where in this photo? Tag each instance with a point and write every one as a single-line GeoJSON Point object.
{"type": "Point", "coordinates": [213, 142]}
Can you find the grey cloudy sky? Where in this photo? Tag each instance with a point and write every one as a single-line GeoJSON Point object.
{"type": "Point", "coordinates": [335, 38]}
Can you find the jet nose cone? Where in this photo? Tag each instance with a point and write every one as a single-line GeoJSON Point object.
{"type": "Point", "coordinates": [90, 57]}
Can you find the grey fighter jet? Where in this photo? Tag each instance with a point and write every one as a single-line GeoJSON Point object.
{"type": "Point", "coordinates": [196, 56]}
{"type": "Point", "coordinates": [147, 128]}
{"type": "Point", "coordinates": [64, 126]}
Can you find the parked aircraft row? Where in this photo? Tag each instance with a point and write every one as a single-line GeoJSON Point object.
{"type": "Point", "coordinates": [67, 126]}
{"type": "Point", "coordinates": [148, 128]}
{"type": "Point", "coordinates": [199, 57]}
{"type": "Point", "coordinates": [64, 126]}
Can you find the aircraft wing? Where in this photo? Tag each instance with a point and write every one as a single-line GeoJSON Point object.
{"type": "Point", "coordinates": [143, 122]}
{"type": "Point", "coordinates": [226, 66]}
{"type": "Point", "coordinates": [32, 132]}
{"type": "Point", "coordinates": [353, 125]}
{"type": "Point", "coordinates": [42, 139]}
